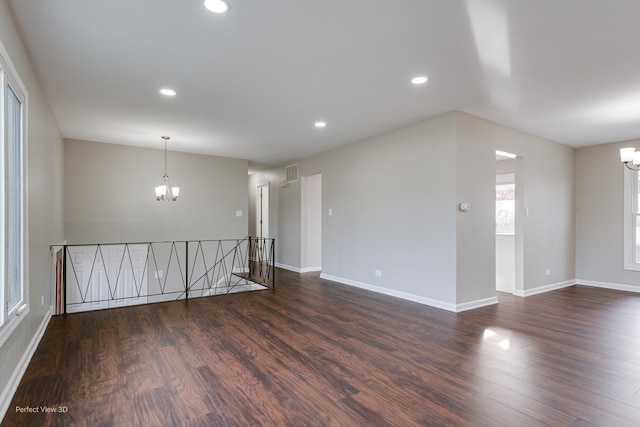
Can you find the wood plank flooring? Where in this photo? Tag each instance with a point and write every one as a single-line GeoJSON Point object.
{"type": "Point", "coordinates": [317, 353]}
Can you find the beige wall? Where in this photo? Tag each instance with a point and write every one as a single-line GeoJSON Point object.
{"type": "Point", "coordinates": [546, 185]}
{"type": "Point", "coordinates": [45, 223]}
{"type": "Point", "coordinates": [395, 201]}
{"type": "Point", "coordinates": [600, 217]}
{"type": "Point", "coordinates": [311, 222]}
{"type": "Point", "coordinates": [109, 195]}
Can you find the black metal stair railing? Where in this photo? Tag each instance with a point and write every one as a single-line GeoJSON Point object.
{"type": "Point", "coordinates": [108, 275]}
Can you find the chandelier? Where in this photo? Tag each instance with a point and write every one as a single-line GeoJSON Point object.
{"type": "Point", "coordinates": [164, 192]}
{"type": "Point", "coordinates": [631, 158]}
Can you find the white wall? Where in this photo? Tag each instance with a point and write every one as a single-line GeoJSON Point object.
{"type": "Point", "coordinates": [600, 226]}
{"type": "Point", "coordinates": [311, 223]}
{"type": "Point", "coordinates": [505, 262]}
{"type": "Point", "coordinates": [393, 203]}
{"type": "Point", "coordinates": [109, 195]}
{"type": "Point", "coordinates": [475, 237]}
{"type": "Point", "coordinates": [45, 201]}
{"type": "Point", "coordinates": [545, 179]}
{"type": "Point", "coordinates": [289, 217]}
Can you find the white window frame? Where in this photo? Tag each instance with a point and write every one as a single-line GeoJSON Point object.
{"type": "Point", "coordinates": [630, 215]}
{"type": "Point", "coordinates": [9, 320]}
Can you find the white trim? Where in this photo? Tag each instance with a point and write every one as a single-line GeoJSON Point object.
{"type": "Point", "coordinates": [606, 285]}
{"type": "Point", "coordinates": [289, 267]}
{"type": "Point", "coordinates": [476, 304]}
{"type": "Point", "coordinates": [543, 289]}
{"type": "Point", "coordinates": [9, 77]}
{"type": "Point", "coordinates": [298, 269]}
{"type": "Point", "coordinates": [11, 322]}
{"type": "Point", "coordinates": [12, 73]}
{"type": "Point", "coordinates": [629, 231]}
{"type": "Point", "coordinates": [18, 372]}
{"type": "Point", "coordinates": [505, 178]}
{"type": "Point", "coordinates": [398, 294]}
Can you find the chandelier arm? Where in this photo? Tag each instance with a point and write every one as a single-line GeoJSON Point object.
{"type": "Point", "coordinates": [169, 194]}
{"type": "Point", "coordinates": [633, 168]}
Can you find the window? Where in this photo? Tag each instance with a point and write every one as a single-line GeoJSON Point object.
{"type": "Point", "coordinates": [12, 200]}
{"type": "Point", "coordinates": [631, 220]}
{"type": "Point", "coordinates": [505, 204]}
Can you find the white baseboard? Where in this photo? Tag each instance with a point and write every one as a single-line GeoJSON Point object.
{"type": "Point", "coordinates": [605, 285]}
{"type": "Point", "coordinates": [411, 297]}
{"type": "Point", "coordinates": [476, 304]}
{"type": "Point", "coordinates": [543, 289]}
{"type": "Point", "coordinates": [297, 269]}
{"type": "Point", "coordinates": [288, 267]}
{"type": "Point", "coordinates": [391, 292]}
{"type": "Point", "coordinates": [14, 381]}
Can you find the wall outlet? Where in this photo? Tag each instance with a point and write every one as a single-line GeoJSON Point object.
{"type": "Point", "coordinates": [41, 300]}
{"type": "Point", "coordinates": [378, 273]}
{"type": "Point", "coordinates": [239, 214]}
{"type": "Point", "coordinates": [159, 274]}
{"type": "Point", "coordinates": [330, 212]}
{"type": "Point", "coordinates": [548, 272]}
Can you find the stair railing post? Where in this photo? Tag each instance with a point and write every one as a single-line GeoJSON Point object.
{"type": "Point", "coordinates": [251, 257]}
{"type": "Point", "coordinates": [273, 264]}
{"type": "Point", "coordinates": [64, 278]}
{"type": "Point", "coordinates": [186, 269]}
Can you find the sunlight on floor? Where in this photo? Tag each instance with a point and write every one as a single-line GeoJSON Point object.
{"type": "Point", "coordinates": [492, 336]}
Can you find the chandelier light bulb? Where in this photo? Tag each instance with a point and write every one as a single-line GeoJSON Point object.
{"type": "Point", "coordinates": [626, 154]}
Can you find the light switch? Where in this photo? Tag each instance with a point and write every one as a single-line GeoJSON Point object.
{"type": "Point", "coordinates": [238, 213]}
{"type": "Point", "coordinates": [465, 206]}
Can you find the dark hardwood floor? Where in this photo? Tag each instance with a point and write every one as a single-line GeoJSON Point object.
{"type": "Point", "coordinates": [319, 353]}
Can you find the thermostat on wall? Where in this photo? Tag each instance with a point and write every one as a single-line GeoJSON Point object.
{"type": "Point", "coordinates": [465, 206]}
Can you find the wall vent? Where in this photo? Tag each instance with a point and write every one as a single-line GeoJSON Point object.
{"type": "Point", "coordinates": [291, 173]}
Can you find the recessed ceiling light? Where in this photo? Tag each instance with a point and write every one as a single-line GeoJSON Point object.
{"type": "Point", "coordinates": [320, 124]}
{"type": "Point", "coordinates": [419, 80]}
{"type": "Point", "coordinates": [168, 92]}
{"type": "Point", "coordinates": [217, 6]}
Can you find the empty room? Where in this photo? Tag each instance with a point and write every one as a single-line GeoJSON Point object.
{"type": "Point", "coordinates": [363, 213]}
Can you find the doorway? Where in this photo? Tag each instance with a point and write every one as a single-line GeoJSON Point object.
{"type": "Point", "coordinates": [311, 224]}
{"type": "Point", "coordinates": [505, 231]}
{"type": "Point", "coordinates": [262, 211]}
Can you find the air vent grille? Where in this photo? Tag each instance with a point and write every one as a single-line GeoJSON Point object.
{"type": "Point", "coordinates": [291, 173]}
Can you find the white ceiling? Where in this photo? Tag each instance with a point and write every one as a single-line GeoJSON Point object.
{"type": "Point", "coordinates": [252, 83]}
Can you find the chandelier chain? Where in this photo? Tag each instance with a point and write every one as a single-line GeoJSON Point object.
{"type": "Point", "coordinates": [164, 192]}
